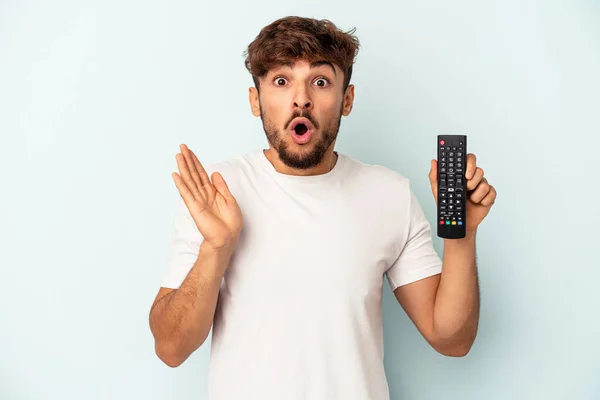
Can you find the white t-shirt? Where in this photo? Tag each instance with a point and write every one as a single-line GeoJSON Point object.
{"type": "Point", "coordinates": [299, 310]}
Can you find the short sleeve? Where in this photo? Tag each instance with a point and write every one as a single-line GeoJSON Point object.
{"type": "Point", "coordinates": [418, 258]}
{"type": "Point", "coordinates": [184, 247]}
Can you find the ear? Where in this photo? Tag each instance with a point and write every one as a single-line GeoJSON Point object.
{"type": "Point", "coordinates": [254, 102]}
{"type": "Point", "coordinates": [348, 100]}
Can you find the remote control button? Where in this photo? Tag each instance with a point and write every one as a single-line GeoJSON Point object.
{"type": "Point", "coordinates": [460, 222]}
{"type": "Point", "coordinates": [453, 222]}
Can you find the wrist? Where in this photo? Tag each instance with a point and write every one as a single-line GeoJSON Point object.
{"type": "Point", "coordinates": [214, 262]}
{"type": "Point", "coordinates": [222, 252]}
{"type": "Point", "coordinates": [469, 239]}
{"type": "Point", "coordinates": [470, 234]}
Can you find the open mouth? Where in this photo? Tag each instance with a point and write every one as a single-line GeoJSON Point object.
{"type": "Point", "coordinates": [301, 125]}
{"type": "Point", "coordinates": [300, 129]}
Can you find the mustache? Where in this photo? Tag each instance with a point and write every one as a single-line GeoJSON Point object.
{"type": "Point", "coordinates": [299, 114]}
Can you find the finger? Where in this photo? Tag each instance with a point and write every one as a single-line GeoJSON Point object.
{"type": "Point", "coordinates": [433, 179]}
{"type": "Point", "coordinates": [480, 191]}
{"type": "Point", "coordinates": [490, 198]}
{"type": "Point", "coordinates": [186, 176]}
{"type": "Point", "coordinates": [475, 180]}
{"type": "Point", "coordinates": [221, 186]}
{"type": "Point", "coordinates": [201, 171]}
{"type": "Point", "coordinates": [191, 165]}
{"type": "Point", "coordinates": [186, 194]}
{"type": "Point", "coordinates": [471, 165]}
{"type": "Point", "coordinates": [197, 207]}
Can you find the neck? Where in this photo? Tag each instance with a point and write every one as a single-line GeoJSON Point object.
{"type": "Point", "coordinates": [327, 163]}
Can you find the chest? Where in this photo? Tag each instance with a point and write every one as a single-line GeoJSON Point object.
{"type": "Point", "coordinates": [339, 252]}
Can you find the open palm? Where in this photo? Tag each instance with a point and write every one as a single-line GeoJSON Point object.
{"type": "Point", "coordinates": [209, 201]}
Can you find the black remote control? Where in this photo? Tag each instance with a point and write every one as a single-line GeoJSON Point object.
{"type": "Point", "coordinates": [452, 186]}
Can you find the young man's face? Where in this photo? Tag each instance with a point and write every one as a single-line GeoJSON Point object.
{"type": "Point", "coordinates": [301, 107]}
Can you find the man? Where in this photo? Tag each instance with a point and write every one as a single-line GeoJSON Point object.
{"type": "Point", "coordinates": [286, 261]}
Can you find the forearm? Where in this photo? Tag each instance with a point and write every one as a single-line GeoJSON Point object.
{"type": "Point", "coordinates": [456, 310]}
{"type": "Point", "coordinates": [181, 320]}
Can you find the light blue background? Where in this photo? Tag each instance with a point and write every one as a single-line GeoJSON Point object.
{"type": "Point", "coordinates": [95, 98]}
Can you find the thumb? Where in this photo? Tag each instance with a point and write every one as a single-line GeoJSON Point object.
{"type": "Point", "coordinates": [433, 179]}
{"type": "Point", "coordinates": [221, 186]}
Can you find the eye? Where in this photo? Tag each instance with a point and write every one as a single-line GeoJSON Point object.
{"type": "Point", "coordinates": [279, 81]}
{"type": "Point", "coordinates": [322, 82]}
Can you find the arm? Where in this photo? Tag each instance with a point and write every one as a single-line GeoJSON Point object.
{"type": "Point", "coordinates": [180, 319]}
{"type": "Point", "coordinates": [445, 307]}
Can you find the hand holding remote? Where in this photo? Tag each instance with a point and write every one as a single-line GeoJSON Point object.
{"type": "Point", "coordinates": [463, 195]}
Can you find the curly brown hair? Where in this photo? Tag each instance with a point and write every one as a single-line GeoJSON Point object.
{"type": "Point", "coordinates": [289, 39]}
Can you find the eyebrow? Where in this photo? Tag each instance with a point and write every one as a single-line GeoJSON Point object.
{"type": "Point", "coordinates": [314, 64]}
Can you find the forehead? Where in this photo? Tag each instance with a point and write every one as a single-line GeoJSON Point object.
{"type": "Point", "coordinates": [313, 64]}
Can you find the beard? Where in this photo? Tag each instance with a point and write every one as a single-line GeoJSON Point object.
{"type": "Point", "coordinates": [302, 159]}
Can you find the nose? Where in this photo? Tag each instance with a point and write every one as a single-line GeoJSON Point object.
{"type": "Point", "coordinates": [302, 99]}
